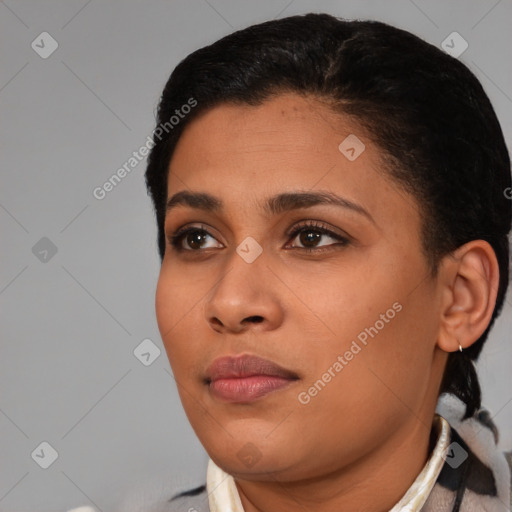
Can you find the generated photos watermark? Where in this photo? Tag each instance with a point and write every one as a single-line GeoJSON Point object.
{"type": "Point", "coordinates": [355, 348]}
{"type": "Point", "coordinates": [101, 191]}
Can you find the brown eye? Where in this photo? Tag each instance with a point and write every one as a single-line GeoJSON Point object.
{"type": "Point", "coordinates": [193, 236]}
{"type": "Point", "coordinates": [195, 239]}
{"type": "Point", "coordinates": [310, 234]}
{"type": "Point", "coordinates": [310, 237]}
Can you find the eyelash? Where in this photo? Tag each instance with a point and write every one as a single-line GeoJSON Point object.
{"type": "Point", "coordinates": [176, 239]}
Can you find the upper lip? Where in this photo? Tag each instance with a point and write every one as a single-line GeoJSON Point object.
{"type": "Point", "coordinates": [245, 366]}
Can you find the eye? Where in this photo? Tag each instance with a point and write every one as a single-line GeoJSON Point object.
{"type": "Point", "coordinates": [311, 232]}
{"type": "Point", "coordinates": [193, 236]}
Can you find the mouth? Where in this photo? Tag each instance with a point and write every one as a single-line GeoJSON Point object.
{"type": "Point", "coordinates": [246, 378]}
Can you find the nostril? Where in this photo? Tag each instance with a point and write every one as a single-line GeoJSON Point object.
{"type": "Point", "coordinates": [216, 321]}
{"type": "Point", "coordinates": [256, 319]}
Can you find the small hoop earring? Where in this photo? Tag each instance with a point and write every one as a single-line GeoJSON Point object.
{"type": "Point", "coordinates": [460, 348]}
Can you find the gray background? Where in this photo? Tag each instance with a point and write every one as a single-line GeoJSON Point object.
{"type": "Point", "coordinates": [71, 322]}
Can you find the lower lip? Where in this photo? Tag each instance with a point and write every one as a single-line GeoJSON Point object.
{"type": "Point", "coordinates": [247, 389]}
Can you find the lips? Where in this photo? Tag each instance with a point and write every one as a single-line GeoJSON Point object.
{"type": "Point", "coordinates": [246, 378]}
{"type": "Point", "coordinates": [245, 366]}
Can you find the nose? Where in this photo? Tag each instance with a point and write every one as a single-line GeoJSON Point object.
{"type": "Point", "coordinates": [244, 298]}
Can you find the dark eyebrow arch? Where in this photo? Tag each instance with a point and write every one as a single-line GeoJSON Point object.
{"type": "Point", "coordinates": [274, 205]}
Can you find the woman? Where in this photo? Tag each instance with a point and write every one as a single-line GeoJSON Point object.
{"type": "Point", "coordinates": [332, 221]}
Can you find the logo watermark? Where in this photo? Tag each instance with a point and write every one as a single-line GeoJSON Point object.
{"type": "Point", "coordinates": [100, 192]}
{"type": "Point", "coordinates": [304, 397]}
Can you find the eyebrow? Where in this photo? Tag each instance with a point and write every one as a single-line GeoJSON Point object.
{"type": "Point", "coordinates": [274, 205]}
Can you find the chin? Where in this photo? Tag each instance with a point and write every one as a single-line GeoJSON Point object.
{"type": "Point", "coordinates": [264, 469]}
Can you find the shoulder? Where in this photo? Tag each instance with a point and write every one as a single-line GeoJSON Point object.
{"type": "Point", "coordinates": [191, 500]}
{"type": "Point", "coordinates": [476, 474]}
{"type": "Point", "coordinates": [508, 456]}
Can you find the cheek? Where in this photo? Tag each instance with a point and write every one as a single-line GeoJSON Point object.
{"type": "Point", "coordinates": [375, 384]}
{"type": "Point", "coordinates": [174, 304]}
{"type": "Point", "coordinates": [383, 333]}
{"type": "Point", "coordinates": [165, 304]}
{"type": "Point", "coordinates": [176, 296]}
{"type": "Point", "coordinates": [179, 307]}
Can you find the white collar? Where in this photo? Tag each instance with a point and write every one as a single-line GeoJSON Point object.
{"type": "Point", "coordinates": [223, 495]}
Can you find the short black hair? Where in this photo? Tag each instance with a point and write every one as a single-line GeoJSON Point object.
{"type": "Point", "coordinates": [426, 111]}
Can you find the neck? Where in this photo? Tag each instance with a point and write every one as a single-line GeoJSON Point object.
{"type": "Point", "coordinates": [374, 483]}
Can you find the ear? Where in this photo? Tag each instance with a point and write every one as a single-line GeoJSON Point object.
{"type": "Point", "coordinates": [470, 280]}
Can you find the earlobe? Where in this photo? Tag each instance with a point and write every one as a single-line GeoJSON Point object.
{"type": "Point", "coordinates": [470, 278]}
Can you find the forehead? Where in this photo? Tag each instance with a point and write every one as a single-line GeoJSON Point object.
{"type": "Point", "coordinates": [245, 153]}
{"type": "Point", "coordinates": [285, 136]}
{"type": "Point", "coordinates": [280, 124]}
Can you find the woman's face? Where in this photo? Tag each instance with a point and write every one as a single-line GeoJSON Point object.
{"type": "Point", "coordinates": [354, 320]}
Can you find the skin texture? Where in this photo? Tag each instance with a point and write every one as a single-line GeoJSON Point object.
{"type": "Point", "coordinates": [362, 440]}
